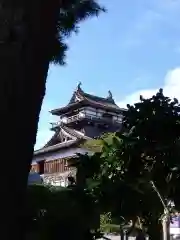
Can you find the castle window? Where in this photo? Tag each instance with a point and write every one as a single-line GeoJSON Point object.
{"type": "Point", "coordinates": [107, 115]}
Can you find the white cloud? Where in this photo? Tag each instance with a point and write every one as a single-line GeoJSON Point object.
{"type": "Point", "coordinates": [171, 88]}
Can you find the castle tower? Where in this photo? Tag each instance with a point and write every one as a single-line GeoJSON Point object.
{"type": "Point", "coordinates": [85, 117]}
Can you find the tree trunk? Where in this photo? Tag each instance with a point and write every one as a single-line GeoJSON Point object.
{"type": "Point", "coordinates": [155, 231]}
{"type": "Point", "coordinates": [25, 39]}
{"type": "Point", "coordinates": [165, 228]}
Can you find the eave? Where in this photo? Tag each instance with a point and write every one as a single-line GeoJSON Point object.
{"type": "Point", "coordinates": [80, 98]}
{"type": "Point", "coordinates": [69, 107]}
{"type": "Point", "coordinates": [59, 146]}
{"type": "Point", "coordinates": [87, 102]}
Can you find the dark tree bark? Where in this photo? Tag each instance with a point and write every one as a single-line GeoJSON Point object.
{"type": "Point", "coordinates": [155, 231]}
{"type": "Point", "coordinates": [141, 236]}
{"type": "Point", "coordinates": [26, 28]}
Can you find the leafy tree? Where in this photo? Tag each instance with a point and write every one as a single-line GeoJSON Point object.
{"type": "Point", "coordinates": [33, 33]}
{"type": "Point", "coordinates": [105, 220]}
{"type": "Point", "coordinates": [107, 224]}
{"type": "Point", "coordinates": [147, 151]}
{"type": "Point", "coordinates": [154, 127]}
{"type": "Point", "coordinates": [56, 212]}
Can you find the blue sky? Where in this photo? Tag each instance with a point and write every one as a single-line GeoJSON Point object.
{"type": "Point", "coordinates": [132, 49]}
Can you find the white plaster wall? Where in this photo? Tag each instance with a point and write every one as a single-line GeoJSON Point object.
{"type": "Point", "coordinates": [58, 179]}
{"type": "Point", "coordinates": [100, 112]}
{"type": "Point", "coordinates": [55, 183]}
{"type": "Point", "coordinates": [118, 237]}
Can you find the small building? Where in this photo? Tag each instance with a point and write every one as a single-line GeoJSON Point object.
{"type": "Point", "coordinates": [85, 117]}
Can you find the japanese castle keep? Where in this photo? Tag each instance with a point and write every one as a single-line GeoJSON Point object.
{"type": "Point", "coordinates": [85, 117]}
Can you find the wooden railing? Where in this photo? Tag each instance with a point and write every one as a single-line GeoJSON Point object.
{"type": "Point", "coordinates": [75, 118]}
{"type": "Point", "coordinates": [87, 116]}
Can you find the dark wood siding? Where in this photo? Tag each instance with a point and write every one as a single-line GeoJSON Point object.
{"type": "Point", "coordinates": [55, 166]}
{"type": "Point", "coordinates": [34, 168]}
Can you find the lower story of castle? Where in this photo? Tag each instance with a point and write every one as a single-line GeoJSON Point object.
{"type": "Point", "coordinates": [54, 172]}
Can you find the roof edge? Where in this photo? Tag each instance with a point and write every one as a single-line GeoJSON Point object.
{"type": "Point", "coordinates": [57, 146]}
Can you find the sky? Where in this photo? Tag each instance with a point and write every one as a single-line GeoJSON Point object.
{"type": "Point", "coordinates": [133, 49]}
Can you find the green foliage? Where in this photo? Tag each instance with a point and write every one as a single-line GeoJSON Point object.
{"type": "Point", "coordinates": [106, 224]}
{"type": "Point", "coordinates": [55, 212]}
{"type": "Point", "coordinates": [105, 221]}
{"type": "Point", "coordinates": [96, 145]}
{"type": "Point", "coordinates": [115, 181]}
{"type": "Point", "coordinates": [71, 13]}
{"type": "Point", "coordinates": [119, 175]}
{"type": "Point", "coordinates": [154, 129]}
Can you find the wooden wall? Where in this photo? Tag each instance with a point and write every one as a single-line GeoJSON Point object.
{"type": "Point", "coordinates": [53, 166]}
{"type": "Point", "coordinates": [34, 168]}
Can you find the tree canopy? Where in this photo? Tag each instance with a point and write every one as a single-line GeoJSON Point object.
{"type": "Point", "coordinates": [116, 181]}
{"type": "Point", "coordinates": [71, 13]}
{"type": "Point", "coordinates": [57, 212]}
{"type": "Point", "coordinates": [121, 173]}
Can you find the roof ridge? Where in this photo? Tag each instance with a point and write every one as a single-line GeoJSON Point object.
{"type": "Point", "coordinates": [83, 94]}
{"type": "Point", "coordinates": [56, 146]}
{"type": "Point", "coordinates": [69, 131]}
{"type": "Point", "coordinates": [77, 133]}
{"type": "Point", "coordinates": [67, 134]}
{"type": "Point", "coordinates": [88, 95]}
{"type": "Point", "coordinates": [101, 104]}
{"type": "Point", "coordinates": [81, 98]}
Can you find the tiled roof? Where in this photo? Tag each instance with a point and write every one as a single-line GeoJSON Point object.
{"type": "Point", "coordinates": [68, 107]}
{"type": "Point", "coordinates": [80, 98]}
{"type": "Point", "coordinates": [56, 142]}
{"type": "Point", "coordinates": [75, 133]}
{"type": "Point", "coordinates": [57, 146]}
